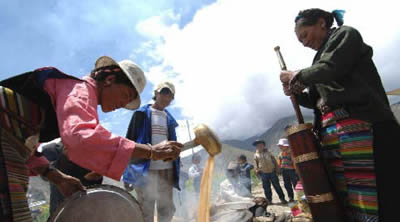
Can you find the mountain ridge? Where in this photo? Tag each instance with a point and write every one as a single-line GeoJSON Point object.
{"type": "Point", "coordinates": [276, 131]}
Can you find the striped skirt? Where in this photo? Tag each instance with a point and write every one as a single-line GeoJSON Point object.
{"type": "Point", "coordinates": [347, 148]}
{"type": "Point", "coordinates": [13, 184]}
{"type": "Point", "coordinates": [19, 120]}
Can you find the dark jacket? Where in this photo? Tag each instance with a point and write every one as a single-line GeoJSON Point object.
{"type": "Point", "coordinates": [343, 74]}
{"type": "Point", "coordinates": [30, 85]}
{"type": "Point", "coordinates": [244, 172]}
{"type": "Point", "coordinates": [140, 131]}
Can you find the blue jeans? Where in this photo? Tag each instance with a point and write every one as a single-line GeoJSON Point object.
{"type": "Point", "coordinates": [56, 198]}
{"type": "Point", "coordinates": [267, 179]}
{"type": "Point", "coordinates": [290, 179]}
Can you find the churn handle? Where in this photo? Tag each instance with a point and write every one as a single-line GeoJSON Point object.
{"type": "Point", "coordinates": [296, 107]}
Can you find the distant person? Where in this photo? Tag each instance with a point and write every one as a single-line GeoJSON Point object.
{"type": "Point", "coordinates": [244, 173]}
{"type": "Point", "coordinates": [184, 176]}
{"type": "Point", "coordinates": [196, 172]}
{"type": "Point", "coordinates": [230, 187]}
{"type": "Point", "coordinates": [266, 168]}
{"type": "Point", "coordinates": [181, 197]}
{"type": "Point", "coordinates": [152, 180]}
{"type": "Point", "coordinates": [230, 194]}
{"type": "Point", "coordinates": [286, 165]}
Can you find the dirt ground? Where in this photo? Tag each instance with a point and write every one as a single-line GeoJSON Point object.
{"type": "Point", "coordinates": [276, 207]}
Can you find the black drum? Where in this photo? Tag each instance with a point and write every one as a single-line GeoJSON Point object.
{"type": "Point", "coordinates": [103, 203]}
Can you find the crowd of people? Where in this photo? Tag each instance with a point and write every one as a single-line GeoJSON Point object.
{"type": "Point", "coordinates": [353, 122]}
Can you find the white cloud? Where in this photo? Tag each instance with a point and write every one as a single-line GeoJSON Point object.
{"type": "Point", "coordinates": [223, 62]}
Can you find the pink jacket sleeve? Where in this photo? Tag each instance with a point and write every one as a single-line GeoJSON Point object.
{"type": "Point", "coordinates": [88, 144]}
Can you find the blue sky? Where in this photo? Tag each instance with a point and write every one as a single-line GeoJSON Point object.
{"type": "Point", "coordinates": [71, 35]}
{"type": "Point", "coordinates": [219, 54]}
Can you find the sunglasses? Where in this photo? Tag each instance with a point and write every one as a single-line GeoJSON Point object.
{"type": "Point", "coordinates": [165, 91]}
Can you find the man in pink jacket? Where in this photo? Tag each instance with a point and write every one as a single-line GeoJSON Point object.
{"type": "Point", "coordinates": [46, 104]}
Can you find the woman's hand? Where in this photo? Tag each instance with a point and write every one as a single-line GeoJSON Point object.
{"type": "Point", "coordinates": [286, 89]}
{"type": "Point", "coordinates": [291, 84]}
{"type": "Point", "coordinates": [286, 76]}
{"type": "Point", "coordinates": [166, 150]}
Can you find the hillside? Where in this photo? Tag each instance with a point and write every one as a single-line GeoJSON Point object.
{"type": "Point", "coordinates": [271, 136]}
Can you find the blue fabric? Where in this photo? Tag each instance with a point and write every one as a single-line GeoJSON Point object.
{"type": "Point", "coordinates": [244, 175]}
{"type": "Point", "coordinates": [338, 14]}
{"type": "Point", "coordinates": [136, 173]}
{"type": "Point", "coordinates": [290, 179]}
{"type": "Point", "coordinates": [50, 72]}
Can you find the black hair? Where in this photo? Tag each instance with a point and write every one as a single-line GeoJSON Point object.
{"type": "Point", "coordinates": [154, 96]}
{"type": "Point", "coordinates": [310, 17]}
{"type": "Point", "coordinates": [242, 157]}
{"type": "Point", "coordinates": [101, 74]}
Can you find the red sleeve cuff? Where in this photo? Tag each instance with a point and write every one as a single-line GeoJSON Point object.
{"type": "Point", "coordinates": [35, 162]}
{"type": "Point", "coordinates": [121, 159]}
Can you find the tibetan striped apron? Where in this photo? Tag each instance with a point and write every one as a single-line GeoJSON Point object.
{"type": "Point", "coordinates": [347, 147]}
{"type": "Point", "coordinates": [19, 120]}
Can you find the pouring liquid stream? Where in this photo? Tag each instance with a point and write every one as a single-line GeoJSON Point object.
{"type": "Point", "coordinates": [205, 191]}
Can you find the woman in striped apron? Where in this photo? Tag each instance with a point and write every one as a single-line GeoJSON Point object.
{"type": "Point", "coordinates": [353, 118]}
{"type": "Point", "coordinates": [45, 104]}
{"type": "Point", "coordinates": [19, 135]}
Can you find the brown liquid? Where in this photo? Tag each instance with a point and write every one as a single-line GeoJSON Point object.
{"type": "Point", "coordinates": [205, 191]}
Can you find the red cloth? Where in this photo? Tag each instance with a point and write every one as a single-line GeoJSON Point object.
{"type": "Point", "coordinates": [34, 162]}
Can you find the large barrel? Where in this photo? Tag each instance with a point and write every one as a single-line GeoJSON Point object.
{"type": "Point", "coordinates": [101, 203]}
{"type": "Point", "coordinates": [317, 187]}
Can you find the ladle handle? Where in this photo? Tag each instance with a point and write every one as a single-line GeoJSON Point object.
{"type": "Point", "coordinates": [189, 145]}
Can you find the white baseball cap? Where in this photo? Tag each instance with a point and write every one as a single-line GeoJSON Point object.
{"type": "Point", "coordinates": [132, 71]}
{"type": "Point", "coordinates": [167, 85]}
{"type": "Point", "coordinates": [283, 142]}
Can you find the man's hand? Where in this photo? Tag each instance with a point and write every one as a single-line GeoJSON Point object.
{"type": "Point", "coordinates": [257, 171]}
{"type": "Point", "coordinates": [167, 150]}
{"type": "Point", "coordinates": [66, 184]}
{"type": "Point", "coordinates": [92, 176]}
{"type": "Point", "coordinates": [70, 185]}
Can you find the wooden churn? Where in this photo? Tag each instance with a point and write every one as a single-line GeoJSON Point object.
{"type": "Point", "coordinates": [317, 187]}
